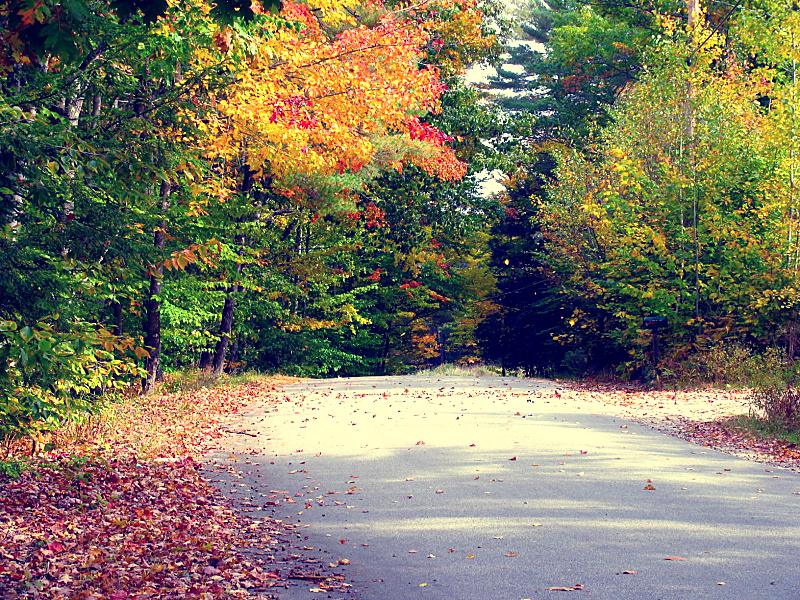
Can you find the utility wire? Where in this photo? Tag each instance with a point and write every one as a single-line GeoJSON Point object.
{"type": "Point", "coordinates": [718, 27]}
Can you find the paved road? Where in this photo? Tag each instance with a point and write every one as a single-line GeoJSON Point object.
{"type": "Point", "coordinates": [499, 488]}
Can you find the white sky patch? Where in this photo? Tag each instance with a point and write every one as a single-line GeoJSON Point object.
{"type": "Point", "coordinates": [530, 44]}
{"type": "Point", "coordinates": [480, 74]}
{"type": "Point", "coordinates": [489, 182]}
{"type": "Point", "coordinates": [512, 68]}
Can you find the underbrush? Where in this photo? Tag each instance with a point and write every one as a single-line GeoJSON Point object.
{"type": "Point", "coordinates": [729, 366]}
{"type": "Point", "coordinates": [762, 428]}
{"type": "Point", "coordinates": [183, 408]}
{"type": "Point", "coordinates": [456, 370]}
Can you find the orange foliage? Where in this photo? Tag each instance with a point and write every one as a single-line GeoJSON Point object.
{"type": "Point", "coordinates": [310, 104]}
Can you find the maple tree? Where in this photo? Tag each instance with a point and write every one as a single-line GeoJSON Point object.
{"type": "Point", "coordinates": [296, 189]}
{"type": "Point", "coordinates": [319, 115]}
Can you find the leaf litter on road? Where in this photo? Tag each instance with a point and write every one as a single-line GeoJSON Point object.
{"type": "Point", "coordinates": [575, 588]}
{"type": "Point", "coordinates": [107, 521]}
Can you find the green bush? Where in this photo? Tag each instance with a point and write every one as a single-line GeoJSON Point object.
{"type": "Point", "coordinates": [728, 365]}
{"type": "Point", "coordinates": [11, 467]}
{"type": "Point", "coordinates": [48, 377]}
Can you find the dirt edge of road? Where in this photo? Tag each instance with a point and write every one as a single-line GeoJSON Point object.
{"type": "Point", "coordinates": [702, 417]}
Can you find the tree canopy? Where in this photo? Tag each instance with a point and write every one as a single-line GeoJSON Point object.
{"type": "Point", "coordinates": [294, 186]}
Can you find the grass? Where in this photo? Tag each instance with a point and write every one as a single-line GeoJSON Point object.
{"type": "Point", "coordinates": [188, 381]}
{"type": "Point", "coordinates": [761, 428]}
{"type": "Point", "coordinates": [455, 370]}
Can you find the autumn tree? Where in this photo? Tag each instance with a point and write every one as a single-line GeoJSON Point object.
{"type": "Point", "coordinates": [679, 214]}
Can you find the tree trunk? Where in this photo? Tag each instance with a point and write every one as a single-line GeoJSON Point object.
{"type": "Point", "coordinates": [236, 348]}
{"type": "Point", "coordinates": [152, 327]}
{"type": "Point", "coordinates": [225, 327]}
{"type": "Point", "coordinates": [226, 321]}
{"type": "Point", "coordinates": [116, 308]}
{"type": "Point", "coordinates": [385, 350]}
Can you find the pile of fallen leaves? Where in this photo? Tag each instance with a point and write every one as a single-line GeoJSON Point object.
{"type": "Point", "coordinates": [104, 518]}
{"type": "Point", "coordinates": [726, 436]}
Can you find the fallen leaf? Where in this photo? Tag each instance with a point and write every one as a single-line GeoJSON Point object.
{"type": "Point", "coordinates": [575, 588]}
{"type": "Point", "coordinates": [649, 487]}
{"type": "Point", "coordinates": [470, 556]}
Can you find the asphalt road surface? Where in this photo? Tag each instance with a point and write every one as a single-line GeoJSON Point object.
{"type": "Point", "coordinates": [458, 488]}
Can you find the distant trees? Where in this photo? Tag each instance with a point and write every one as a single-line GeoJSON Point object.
{"type": "Point", "coordinates": [672, 194]}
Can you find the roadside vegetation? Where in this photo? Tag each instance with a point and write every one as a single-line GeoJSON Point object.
{"type": "Point", "coordinates": [115, 505]}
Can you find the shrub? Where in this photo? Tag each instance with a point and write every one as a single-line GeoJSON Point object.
{"type": "Point", "coordinates": [781, 405]}
{"type": "Point", "coordinates": [48, 377]}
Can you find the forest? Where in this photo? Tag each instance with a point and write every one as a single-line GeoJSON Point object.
{"type": "Point", "coordinates": [296, 187]}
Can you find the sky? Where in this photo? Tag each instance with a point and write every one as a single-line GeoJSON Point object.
{"type": "Point", "coordinates": [480, 74]}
